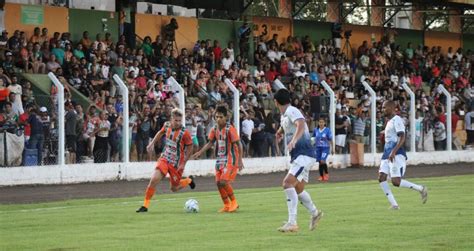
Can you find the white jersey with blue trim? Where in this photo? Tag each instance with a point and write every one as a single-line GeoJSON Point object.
{"type": "Point", "coordinates": [393, 127]}
{"type": "Point", "coordinates": [288, 123]}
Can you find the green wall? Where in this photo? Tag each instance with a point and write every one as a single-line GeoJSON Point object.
{"type": "Point", "coordinates": [315, 30]}
{"type": "Point", "coordinates": [404, 36]}
{"type": "Point", "coordinates": [468, 41]}
{"type": "Point", "coordinates": [92, 21]}
{"type": "Point", "coordinates": [42, 87]}
{"type": "Point", "coordinates": [224, 31]}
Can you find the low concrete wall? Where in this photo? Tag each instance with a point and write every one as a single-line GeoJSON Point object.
{"type": "Point", "coordinates": [80, 173]}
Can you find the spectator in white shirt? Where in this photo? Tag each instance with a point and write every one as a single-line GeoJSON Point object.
{"type": "Point", "coordinates": [227, 60]}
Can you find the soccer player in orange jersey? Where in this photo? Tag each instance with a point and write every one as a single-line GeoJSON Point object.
{"type": "Point", "coordinates": [177, 150]}
{"type": "Point", "coordinates": [229, 158]}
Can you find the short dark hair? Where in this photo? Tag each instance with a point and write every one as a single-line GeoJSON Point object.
{"type": "Point", "coordinates": [282, 96]}
{"type": "Point", "coordinates": [221, 109]}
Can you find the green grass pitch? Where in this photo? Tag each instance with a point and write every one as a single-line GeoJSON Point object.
{"type": "Point", "coordinates": [356, 217]}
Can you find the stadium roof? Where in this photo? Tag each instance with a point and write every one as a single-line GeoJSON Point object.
{"type": "Point", "coordinates": [228, 5]}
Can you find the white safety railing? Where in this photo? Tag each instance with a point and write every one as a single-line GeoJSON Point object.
{"type": "Point", "coordinates": [235, 105]}
{"type": "Point", "coordinates": [449, 131]}
{"type": "Point", "coordinates": [412, 117]}
{"type": "Point", "coordinates": [332, 111]}
{"type": "Point", "coordinates": [126, 117]}
{"type": "Point", "coordinates": [373, 111]}
{"type": "Point", "coordinates": [176, 87]}
{"type": "Point", "coordinates": [61, 122]}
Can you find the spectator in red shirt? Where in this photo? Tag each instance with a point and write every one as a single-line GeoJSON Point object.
{"type": "Point", "coordinates": [141, 82]}
{"type": "Point", "coordinates": [272, 73]}
{"type": "Point", "coordinates": [441, 115]}
{"type": "Point", "coordinates": [284, 69]}
{"type": "Point", "coordinates": [217, 52]}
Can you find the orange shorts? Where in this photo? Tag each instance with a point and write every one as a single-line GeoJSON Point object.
{"type": "Point", "coordinates": [166, 168]}
{"type": "Point", "coordinates": [227, 173]}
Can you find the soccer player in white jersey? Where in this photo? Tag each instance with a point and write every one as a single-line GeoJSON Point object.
{"type": "Point", "coordinates": [294, 128]}
{"type": "Point", "coordinates": [394, 157]}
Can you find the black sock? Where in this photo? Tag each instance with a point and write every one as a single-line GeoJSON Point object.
{"type": "Point", "coordinates": [323, 169]}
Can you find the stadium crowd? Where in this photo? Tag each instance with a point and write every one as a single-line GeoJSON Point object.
{"type": "Point", "coordinates": [93, 133]}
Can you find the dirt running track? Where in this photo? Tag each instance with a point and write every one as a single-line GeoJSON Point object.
{"type": "Point", "coordinates": [116, 189]}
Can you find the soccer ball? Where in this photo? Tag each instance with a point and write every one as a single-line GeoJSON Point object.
{"type": "Point", "coordinates": [191, 206]}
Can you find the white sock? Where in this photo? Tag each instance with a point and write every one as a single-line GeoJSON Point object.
{"type": "Point", "coordinates": [305, 199]}
{"type": "Point", "coordinates": [292, 202]}
{"type": "Point", "coordinates": [388, 193]}
{"type": "Point", "coordinates": [408, 184]}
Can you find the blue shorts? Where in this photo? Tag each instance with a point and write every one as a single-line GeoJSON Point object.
{"type": "Point", "coordinates": [322, 153]}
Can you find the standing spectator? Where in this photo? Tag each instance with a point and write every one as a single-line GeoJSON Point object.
{"type": "Point", "coordinates": [17, 108]}
{"type": "Point", "coordinates": [270, 136]}
{"type": "Point", "coordinates": [15, 88]}
{"type": "Point", "coordinates": [341, 124]}
{"type": "Point", "coordinates": [418, 130]}
{"type": "Point", "coordinates": [217, 52]}
{"type": "Point", "coordinates": [439, 135]}
{"type": "Point", "coordinates": [101, 139]}
{"type": "Point", "coordinates": [81, 145]}
{"type": "Point", "coordinates": [144, 124]}
{"type": "Point", "coordinates": [4, 94]}
{"type": "Point", "coordinates": [114, 139]}
{"type": "Point", "coordinates": [258, 135]}
{"type": "Point", "coordinates": [70, 130]}
{"type": "Point", "coordinates": [469, 122]}
{"type": "Point", "coordinates": [359, 127]}
{"type": "Point", "coordinates": [37, 137]}
{"type": "Point", "coordinates": [247, 128]}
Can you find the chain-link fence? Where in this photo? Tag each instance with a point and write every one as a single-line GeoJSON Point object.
{"type": "Point", "coordinates": [29, 136]}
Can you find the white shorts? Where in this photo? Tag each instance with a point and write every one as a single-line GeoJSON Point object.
{"type": "Point", "coordinates": [395, 169]}
{"type": "Point", "coordinates": [341, 140]}
{"type": "Point", "coordinates": [300, 167]}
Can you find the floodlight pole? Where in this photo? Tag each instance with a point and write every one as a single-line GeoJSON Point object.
{"type": "Point", "coordinates": [449, 131]}
{"type": "Point", "coordinates": [412, 117]}
{"type": "Point", "coordinates": [332, 110]}
{"type": "Point", "coordinates": [176, 86]}
{"type": "Point", "coordinates": [125, 124]}
{"type": "Point", "coordinates": [373, 111]}
{"type": "Point", "coordinates": [61, 116]}
{"type": "Point", "coordinates": [236, 104]}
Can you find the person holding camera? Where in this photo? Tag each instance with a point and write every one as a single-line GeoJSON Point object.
{"type": "Point", "coordinates": [170, 33]}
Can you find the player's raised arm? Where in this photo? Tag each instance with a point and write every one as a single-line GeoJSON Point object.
{"type": "Point", "coordinates": [158, 136]}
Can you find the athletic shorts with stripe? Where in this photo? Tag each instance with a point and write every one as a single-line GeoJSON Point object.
{"type": "Point", "coordinates": [395, 169]}
{"type": "Point", "coordinates": [300, 167]}
{"type": "Point", "coordinates": [227, 173]}
{"type": "Point", "coordinates": [164, 167]}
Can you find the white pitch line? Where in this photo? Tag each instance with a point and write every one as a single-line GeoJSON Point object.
{"type": "Point", "coordinates": [167, 199]}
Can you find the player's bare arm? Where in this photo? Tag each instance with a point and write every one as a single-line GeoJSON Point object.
{"type": "Point", "coordinates": [279, 134]}
{"type": "Point", "coordinates": [158, 136]}
{"type": "Point", "coordinates": [206, 147]}
{"type": "Point", "coordinates": [241, 150]}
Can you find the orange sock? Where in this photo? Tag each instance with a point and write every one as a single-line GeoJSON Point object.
{"type": "Point", "coordinates": [229, 191]}
{"type": "Point", "coordinates": [224, 196]}
{"type": "Point", "coordinates": [150, 191]}
{"type": "Point", "coordinates": [184, 182]}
